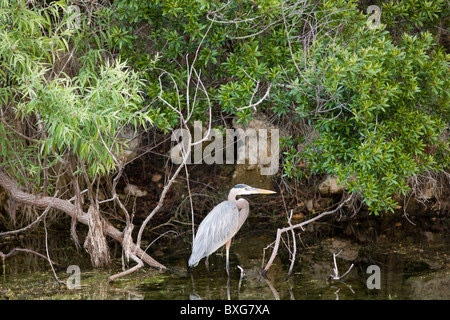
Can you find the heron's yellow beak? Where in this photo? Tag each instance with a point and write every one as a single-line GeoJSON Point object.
{"type": "Point", "coordinates": [259, 191]}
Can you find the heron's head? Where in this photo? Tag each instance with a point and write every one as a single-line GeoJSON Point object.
{"type": "Point", "coordinates": [243, 189]}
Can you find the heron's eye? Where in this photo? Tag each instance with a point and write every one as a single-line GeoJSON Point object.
{"type": "Point", "coordinates": [245, 188]}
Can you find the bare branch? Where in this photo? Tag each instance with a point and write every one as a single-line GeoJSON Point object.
{"type": "Point", "coordinates": [294, 246]}
{"type": "Point", "coordinates": [298, 225]}
{"type": "Point", "coordinates": [253, 105]}
{"type": "Point", "coordinates": [48, 255]}
{"type": "Point", "coordinates": [139, 265]}
{"type": "Point", "coordinates": [336, 275]}
{"type": "Point", "coordinates": [13, 251]}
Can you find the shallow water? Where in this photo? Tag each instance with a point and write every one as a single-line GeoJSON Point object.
{"type": "Point", "coordinates": [408, 270]}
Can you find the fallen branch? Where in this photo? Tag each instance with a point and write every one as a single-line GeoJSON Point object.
{"type": "Point", "coordinates": [295, 226]}
{"type": "Point", "coordinates": [7, 233]}
{"type": "Point", "coordinates": [66, 206]}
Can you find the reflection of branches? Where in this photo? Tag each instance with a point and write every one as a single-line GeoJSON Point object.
{"type": "Point", "coordinates": [339, 289]}
{"type": "Point", "coordinates": [298, 225]}
{"type": "Point", "coordinates": [294, 246]}
{"type": "Point", "coordinates": [240, 278]}
{"type": "Point", "coordinates": [272, 288]}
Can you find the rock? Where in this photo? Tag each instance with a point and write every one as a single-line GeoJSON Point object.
{"type": "Point", "coordinates": [330, 187]}
{"type": "Point", "coordinates": [428, 235]}
{"type": "Point", "coordinates": [133, 190]}
{"type": "Point", "coordinates": [261, 160]}
{"type": "Point", "coordinates": [349, 250]}
{"type": "Point", "coordinates": [156, 177]}
{"type": "Point", "coordinates": [131, 142]}
{"type": "Point", "coordinates": [310, 205]}
{"type": "Point", "coordinates": [433, 286]}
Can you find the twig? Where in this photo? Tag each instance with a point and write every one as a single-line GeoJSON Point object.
{"type": "Point", "coordinates": [253, 105]}
{"type": "Point", "coordinates": [161, 200]}
{"type": "Point", "coordinates": [75, 196]}
{"type": "Point", "coordinates": [48, 256]}
{"type": "Point", "coordinates": [13, 251]}
{"type": "Point", "coordinates": [160, 236]}
{"type": "Point", "coordinates": [185, 155]}
{"type": "Point", "coordinates": [298, 225]}
{"type": "Point", "coordinates": [336, 270]}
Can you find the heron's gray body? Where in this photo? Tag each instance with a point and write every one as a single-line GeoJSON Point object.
{"type": "Point", "coordinates": [227, 219]}
{"type": "Point", "coordinates": [221, 224]}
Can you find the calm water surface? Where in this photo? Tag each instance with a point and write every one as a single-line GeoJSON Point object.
{"type": "Point", "coordinates": [412, 269]}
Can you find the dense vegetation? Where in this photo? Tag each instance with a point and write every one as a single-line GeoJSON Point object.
{"type": "Point", "coordinates": [368, 104]}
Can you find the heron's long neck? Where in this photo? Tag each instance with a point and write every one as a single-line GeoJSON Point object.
{"type": "Point", "coordinates": [232, 195]}
{"type": "Point", "coordinates": [242, 205]}
{"type": "Point", "coordinates": [244, 209]}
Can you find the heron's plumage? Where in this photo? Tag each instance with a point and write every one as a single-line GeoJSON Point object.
{"type": "Point", "coordinates": [219, 226]}
{"type": "Point", "coordinates": [222, 223]}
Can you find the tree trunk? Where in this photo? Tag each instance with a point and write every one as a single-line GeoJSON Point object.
{"type": "Point", "coordinates": [66, 206]}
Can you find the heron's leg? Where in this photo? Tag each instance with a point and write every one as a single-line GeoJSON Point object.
{"type": "Point", "coordinates": [207, 265]}
{"type": "Point", "coordinates": [227, 247]}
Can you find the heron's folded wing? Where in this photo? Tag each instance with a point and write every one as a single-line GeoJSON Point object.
{"type": "Point", "coordinates": [219, 226]}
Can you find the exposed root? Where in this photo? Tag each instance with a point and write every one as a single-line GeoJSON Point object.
{"type": "Point", "coordinates": [95, 243]}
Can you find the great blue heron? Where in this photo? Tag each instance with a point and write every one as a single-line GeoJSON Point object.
{"type": "Point", "coordinates": [221, 224]}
